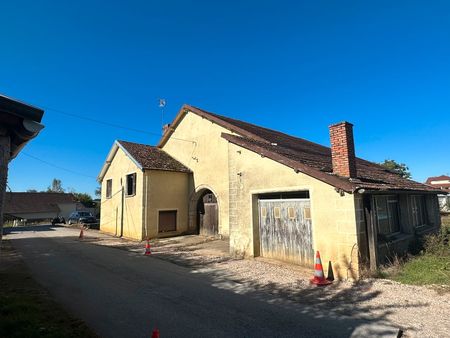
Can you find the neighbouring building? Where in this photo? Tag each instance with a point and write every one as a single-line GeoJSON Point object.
{"type": "Point", "coordinates": [39, 206]}
{"type": "Point", "coordinates": [442, 182]}
{"type": "Point", "coordinates": [272, 194]}
{"type": "Point", "coordinates": [19, 123]}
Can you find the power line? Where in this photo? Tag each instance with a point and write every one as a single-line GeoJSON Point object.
{"type": "Point", "coordinates": [110, 124]}
{"type": "Point", "coordinates": [57, 166]}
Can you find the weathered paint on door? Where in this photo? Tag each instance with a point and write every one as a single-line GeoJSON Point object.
{"type": "Point", "coordinates": [209, 220]}
{"type": "Point", "coordinates": [286, 231]}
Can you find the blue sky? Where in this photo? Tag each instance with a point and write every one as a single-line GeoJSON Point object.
{"type": "Point", "coordinates": [294, 66]}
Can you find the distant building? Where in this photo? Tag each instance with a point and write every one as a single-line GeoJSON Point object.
{"type": "Point", "coordinates": [442, 182]}
{"type": "Point", "coordinates": [39, 205]}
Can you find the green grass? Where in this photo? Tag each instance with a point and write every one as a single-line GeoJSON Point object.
{"type": "Point", "coordinates": [26, 309]}
{"type": "Point", "coordinates": [425, 270]}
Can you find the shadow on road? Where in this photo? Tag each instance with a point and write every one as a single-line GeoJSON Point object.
{"type": "Point", "coordinates": [349, 309]}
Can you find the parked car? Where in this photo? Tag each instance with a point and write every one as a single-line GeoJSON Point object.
{"type": "Point", "coordinates": [81, 217]}
{"type": "Point", "coordinates": [59, 220]}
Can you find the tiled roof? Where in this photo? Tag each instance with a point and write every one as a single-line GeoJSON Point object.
{"type": "Point", "coordinates": [437, 178]}
{"type": "Point", "coordinates": [153, 158]}
{"type": "Point", "coordinates": [308, 157]}
{"type": "Point", "coordinates": [31, 202]}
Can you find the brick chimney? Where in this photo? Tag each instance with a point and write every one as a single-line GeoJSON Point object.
{"type": "Point", "coordinates": [343, 149]}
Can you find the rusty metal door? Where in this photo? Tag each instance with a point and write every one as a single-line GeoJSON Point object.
{"type": "Point", "coordinates": [167, 221]}
{"type": "Point", "coordinates": [285, 230]}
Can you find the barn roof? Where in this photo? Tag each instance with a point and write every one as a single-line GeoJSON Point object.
{"type": "Point", "coordinates": [302, 155]}
{"type": "Point", "coordinates": [34, 202]}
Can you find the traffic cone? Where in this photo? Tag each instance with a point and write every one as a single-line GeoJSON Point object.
{"type": "Point", "coordinates": [330, 272]}
{"type": "Point", "coordinates": [319, 278]}
{"type": "Point", "coordinates": [148, 251]}
{"type": "Point", "coordinates": [81, 233]}
{"type": "Point", "coordinates": [155, 333]}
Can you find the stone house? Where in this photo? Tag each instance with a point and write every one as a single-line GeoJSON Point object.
{"type": "Point", "coordinates": [441, 182]}
{"type": "Point", "coordinates": [271, 194]}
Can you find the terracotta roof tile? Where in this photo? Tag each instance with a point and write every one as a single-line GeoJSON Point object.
{"type": "Point", "coordinates": [309, 156]}
{"type": "Point", "coordinates": [153, 158]}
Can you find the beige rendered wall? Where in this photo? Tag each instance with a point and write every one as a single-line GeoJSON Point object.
{"type": "Point", "coordinates": [333, 216]}
{"type": "Point", "coordinates": [111, 209]}
{"type": "Point", "coordinates": [165, 190]}
{"type": "Point", "coordinates": [207, 158]}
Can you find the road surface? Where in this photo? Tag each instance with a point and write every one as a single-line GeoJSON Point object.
{"type": "Point", "coordinates": [124, 294]}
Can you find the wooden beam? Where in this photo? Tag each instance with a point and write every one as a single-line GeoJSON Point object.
{"type": "Point", "coordinates": [371, 232]}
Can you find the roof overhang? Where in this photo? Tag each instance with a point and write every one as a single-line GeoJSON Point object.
{"type": "Point", "coordinates": [20, 121]}
{"type": "Point", "coordinates": [116, 146]}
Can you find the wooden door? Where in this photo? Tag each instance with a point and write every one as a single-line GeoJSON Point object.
{"type": "Point", "coordinates": [285, 230]}
{"type": "Point", "coordinates": [209, 219]}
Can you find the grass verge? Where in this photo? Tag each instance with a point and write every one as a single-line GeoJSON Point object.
{"type": "Point", "coordinates": [26, 308]}
{"type": "Point", "coordinates": [425, 270]}
{"type": "Point", "coordinates": [431, 267]}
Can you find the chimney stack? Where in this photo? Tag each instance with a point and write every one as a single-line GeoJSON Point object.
{"type": "Point", "coordinates": [343, 149]}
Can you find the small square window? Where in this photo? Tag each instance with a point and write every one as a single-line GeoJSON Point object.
{"type": "Point", "coordinates": [307, 213]}
{"type": "Point", "coordinates": [277, 212]}
{"type": "Point", "coordinates": [264, 212]}
{"type": "Point", "coordinates": [291, 213]}
{"type": "Point", "coordinates": [131, 184]}
{"type": "Point", "coordinates": [108, 188]}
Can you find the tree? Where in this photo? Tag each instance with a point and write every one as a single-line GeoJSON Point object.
{"type": "Point", "coordinates": [56, 186]}
{"type": "Point", "coordinates": [32, 190]}
{"type": "Point", "coordinates": [98, 192]}
{"type": "Point", "coordinates": [399, 168]}
{"type": "Point", "coordinates": [84, 199]}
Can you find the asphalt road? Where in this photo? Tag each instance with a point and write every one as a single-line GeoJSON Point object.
{"type": "Point", "coordinates": [123, 294]}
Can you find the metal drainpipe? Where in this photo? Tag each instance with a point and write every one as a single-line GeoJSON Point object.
{"type": "Point", "coordinates": [145, 205]}
{"type": "Point", "coordinates": [121, 212]}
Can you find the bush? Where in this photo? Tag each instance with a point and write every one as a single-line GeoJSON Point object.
{"type": "Point", "coordinates": [438, 244]}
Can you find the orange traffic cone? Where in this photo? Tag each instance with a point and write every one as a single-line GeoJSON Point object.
{"type": "Point", "coordinates": [148, 250]}
{"type": "Point", "coordinates": [81, 233]}
{"type": "Point", "coordinates": [155, 333]}
{"type": "Point", "coordinates": [319, 278]}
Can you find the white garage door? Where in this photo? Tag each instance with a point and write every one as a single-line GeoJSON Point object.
{"type": "Point", "coordinates": [285, 230]}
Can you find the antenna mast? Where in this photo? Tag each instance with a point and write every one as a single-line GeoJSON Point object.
{"type": "Point", "coordinates": [162, 104]}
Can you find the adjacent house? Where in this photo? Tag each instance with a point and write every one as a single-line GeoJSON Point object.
{"type": "Point", "coordinates": [442, 182]}
{"type": "Point", "coordinates": [271, 194]}
{"type": "Point", "coordinates": [19, 123]}
{"type": "Point", "coordinates": [39, 206]}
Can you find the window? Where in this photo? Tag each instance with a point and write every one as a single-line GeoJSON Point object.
{"type": "Point", "coordinates": [419, 210]}
{"type": "Point", "coordinates": [277, 212]}
{"type": "Point", "coordinates": [291, 213]}
{"type": "Point", "coordinates": [387, 214]}
{"type": "Point", "coordinates": [131, 184]}
{"type": "Point", "coordinates": [167, 221]}
{"type": "Point", "coordinates": [108, 188]}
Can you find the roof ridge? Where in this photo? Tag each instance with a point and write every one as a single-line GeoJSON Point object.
{"type": "Point", "coordinates": [225, 118]}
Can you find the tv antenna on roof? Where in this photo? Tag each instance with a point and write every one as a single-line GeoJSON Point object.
{"type": "Point", "coordinates": [162, 104]}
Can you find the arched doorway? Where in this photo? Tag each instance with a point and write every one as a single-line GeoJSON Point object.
{"type": "Point", "coordinates": [207, 213]}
